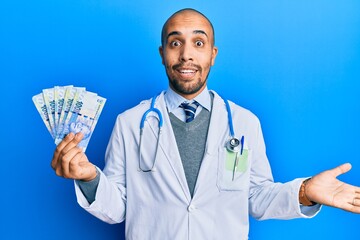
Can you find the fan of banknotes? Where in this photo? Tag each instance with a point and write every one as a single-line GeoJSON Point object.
{"type": "Point", "coordinates": [66, 109]}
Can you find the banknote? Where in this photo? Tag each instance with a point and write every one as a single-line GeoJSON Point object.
{"type": "Point", "coordinates": [66, 109]}
{"type": "Point", "coordinates": [70, 94]}
{"type": "Point", "coordinates": [101, 102]}
{"type": "Point", "coordinates": [42, 109]}
{"type": "Point", "coordinates": [49, 98]}
{"type": "Point", "coordinates": [59, 102]}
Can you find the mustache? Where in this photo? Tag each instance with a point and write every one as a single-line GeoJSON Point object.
{"type": "Point", "coordinates": [188, 65]}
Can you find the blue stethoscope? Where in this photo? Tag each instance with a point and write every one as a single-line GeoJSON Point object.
{"type": "Point", "coordinates": [233, 145]}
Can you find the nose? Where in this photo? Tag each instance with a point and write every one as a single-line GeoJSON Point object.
{"type": "Point", "coordinates": [186, 53]}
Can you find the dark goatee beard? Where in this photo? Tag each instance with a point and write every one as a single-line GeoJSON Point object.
{"type": "Point", "coordinates": [180, 88]}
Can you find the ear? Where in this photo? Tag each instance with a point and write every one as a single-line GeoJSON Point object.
{"type": "Point", "coordinates": [161, 51]}
{"type": "Point", "coordinates": [213, 55]}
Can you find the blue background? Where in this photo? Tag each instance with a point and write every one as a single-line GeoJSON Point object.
{"type": "Point", "coordinates": [295, 64]}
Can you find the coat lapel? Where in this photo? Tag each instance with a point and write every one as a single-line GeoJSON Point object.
{"type": "Point", "coordinates": [217, 134]}
{"type": "Point", "coordinates": [169, 147]}
{"type": "Point", "coordinates": [219, 125]}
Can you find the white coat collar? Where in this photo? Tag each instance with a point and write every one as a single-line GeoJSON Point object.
{"type": "Point", "coordinates": [173, 99]}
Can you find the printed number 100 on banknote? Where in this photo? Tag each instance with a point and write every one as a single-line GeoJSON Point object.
{"type": "Point", "coordinates": [77, 110]}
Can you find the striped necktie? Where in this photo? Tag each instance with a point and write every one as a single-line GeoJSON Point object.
{"type": "Point", "coordinates": [190, 109]}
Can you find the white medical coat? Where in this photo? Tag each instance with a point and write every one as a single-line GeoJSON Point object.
{"type": "Point", "coordinates": [157, 205]}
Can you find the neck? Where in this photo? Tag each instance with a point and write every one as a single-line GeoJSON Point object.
{"type": "Point", "coordinates": [189, 96]}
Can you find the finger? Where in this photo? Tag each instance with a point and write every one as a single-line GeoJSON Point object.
{"type": "Point", "coordinates": [82, 169]}
{"type": "Point", "coordinates": [59, 148]}
{"type": "Point", "coordinates": [66, 160]}
{"type": "Point", "coordinates": [344, 168]}
{"type": "Point", "coordinates": [74, 165]}
{"type": "Point", "coordinates": [352, 208]}
{"type": "Point", "coordinates": [73, 143]}
{"type": "Point", "coordinates": [355, 205]}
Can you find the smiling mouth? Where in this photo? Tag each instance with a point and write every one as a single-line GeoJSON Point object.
{"type": "Point", "coordinates": [187, 72]}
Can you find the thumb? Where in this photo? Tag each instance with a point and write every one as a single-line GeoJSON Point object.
{"type": "Point", "coordinates": [79, 137]}
{"type": "Point", "coordinates": [344, 168]}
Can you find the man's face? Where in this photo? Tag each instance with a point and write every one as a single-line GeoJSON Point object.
{"type": "Point", "coordinates": [188, 52]}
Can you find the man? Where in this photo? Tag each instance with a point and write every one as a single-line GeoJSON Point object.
{"type": "Point", "coordinates": [184, 183]}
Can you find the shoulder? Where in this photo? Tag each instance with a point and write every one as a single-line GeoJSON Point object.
{"type": "Point", "coordinates": [237, 111]}
{"type": "Point", "coordinates": [136, 113]}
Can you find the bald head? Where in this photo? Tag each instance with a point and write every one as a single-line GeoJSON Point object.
{"type": "Point", "coordinates": [184, 13]}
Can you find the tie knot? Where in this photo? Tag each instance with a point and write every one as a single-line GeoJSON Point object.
{"type": "Point", "coordinates": [190, 109]}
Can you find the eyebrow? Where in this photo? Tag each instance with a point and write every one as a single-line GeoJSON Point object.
{"type": "Point", "coordinates": [177, 33]}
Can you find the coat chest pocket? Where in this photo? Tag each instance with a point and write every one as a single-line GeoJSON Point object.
{"type": "Point", "coordinates": [230, 177]}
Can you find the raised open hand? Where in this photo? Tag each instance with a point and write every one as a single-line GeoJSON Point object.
{"type": "Point", "coordinates": [326, 189]}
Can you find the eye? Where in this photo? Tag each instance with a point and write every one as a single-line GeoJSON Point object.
{"type": "Point", "coordinates": [175, 43]}
{"type": "Point", "coordinates": [199, 43]}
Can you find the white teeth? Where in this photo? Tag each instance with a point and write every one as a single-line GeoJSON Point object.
{"type": "Point", "coordinates": [187, 71]}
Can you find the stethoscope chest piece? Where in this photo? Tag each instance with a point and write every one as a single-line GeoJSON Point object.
{"type": "Point", "coordinates": [233, 145]}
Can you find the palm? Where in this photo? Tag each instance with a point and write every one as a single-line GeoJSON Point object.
{"type": "Point", "coordinates": [326, 189]}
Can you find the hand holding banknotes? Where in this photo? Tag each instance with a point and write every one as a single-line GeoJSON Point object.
{"type": "Point", "coordinates": [70, 114]}
{"type": "Point", "coordinates": [69, 160]}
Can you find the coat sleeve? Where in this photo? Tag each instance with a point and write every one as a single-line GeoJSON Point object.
{"type": "Point", "coordinates": [268, 199]}
{"type": "Point", "coordinates": [110, 198]}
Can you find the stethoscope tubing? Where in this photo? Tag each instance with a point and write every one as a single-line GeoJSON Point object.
{"type": "Point", "coordinates": [230, 146]}
{"type": "Point", "coordinates": [142, 124]}
{"type": "Point", "coordinates": [151, 109]}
